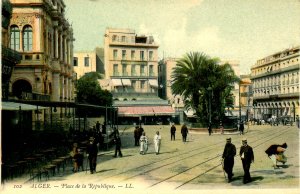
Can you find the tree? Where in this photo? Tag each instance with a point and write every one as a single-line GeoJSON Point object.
{"type": "Point", "coordinates": [191, 78]}
{"type": "Point", "coordinates": [89, 90]}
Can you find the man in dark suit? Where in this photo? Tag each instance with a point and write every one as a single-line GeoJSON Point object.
{"type": "Point", "coordinates": [247, 157]}
{"type": "Point", "coordinates": [228, 158]}
{"type": "Point", "coordinates": [118, 143]}
{"type": "Point", "coordinates": [184, 132]}
{"type": "Point", "coordinates": [173, 131]}
{"type": "Point", "coordinates": [136, 136]}
{"type": "Point", "coordinates": [92, 152]}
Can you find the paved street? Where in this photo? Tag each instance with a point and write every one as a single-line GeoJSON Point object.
{"type": "Point", "coordinates": [180, 167]}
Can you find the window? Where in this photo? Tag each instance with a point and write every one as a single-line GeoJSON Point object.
{"type": "Point", "coordinates": [142, 55]}
{"type": "Point", "coordinates": [75, 61]}
{"type": "Point", "coordinates": [151, 70]}
{"type": "Point", "coordinates": [114, 38]}
{"type": "Point", "coordinates": [133, 83]}
{"type": "Point", "coordinates": [86, 61]}
{"type": "Point", "coordinates": [142, 84]}
{"type": "Point", "coordinates": [123, 39]}
{"type": "Point", "coordinates": [132, 54]}
{"type": "Point", "coordinates": [115, 54]}
{"type": "Point", "coordinates": [116, 69]}
{"type": "Point", "coordinates": [15, 38]}
{"type": "Point", "coordinates": [133, 72]}
{"type": "Point", "coordinates": [27, 38]}
{"type": "Point", "coordinates": [123, 54]}
{"type": "Point", "coordinates": [124, 70]}
{"type": "Point", "coordinates": [142, 71]}
{"type": "Point", "coordinates": [150, 55]}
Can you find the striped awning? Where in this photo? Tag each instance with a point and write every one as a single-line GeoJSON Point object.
{"type": "Point", "coordinates": [136, 111]}
{"type": "Point", "coordinates": [153, 83]}
{"type": "Point", "coordinates": [116, 82]}
{"type": "Point", "coordinates": [126, 82]}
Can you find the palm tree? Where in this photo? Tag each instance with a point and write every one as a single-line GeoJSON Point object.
{"type": "Point", "coordinates": [186, 77]}
{"type": "Point", "coordinates": [194, 74]}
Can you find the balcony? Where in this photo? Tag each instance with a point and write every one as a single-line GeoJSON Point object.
{"type": "Point", "coordinates": [35, 96]}
{"type": "Point", "coordinates": [11, 55]}
{"type": "Point", "coordinates": [277, 96]}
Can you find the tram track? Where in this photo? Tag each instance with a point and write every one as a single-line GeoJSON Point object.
{"type": "Point", "coordinates": [216, 166]}
{"type": "Point", "coordinates": [189, 155]}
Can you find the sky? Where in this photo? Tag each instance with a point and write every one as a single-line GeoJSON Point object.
{"type": "Point", "coordinates": [242, 30]}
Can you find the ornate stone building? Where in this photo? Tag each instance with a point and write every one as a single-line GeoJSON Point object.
{"type": "Point", "coordinates": [275, 81]}
{"type": "Point", "coordinates": [40, 32]}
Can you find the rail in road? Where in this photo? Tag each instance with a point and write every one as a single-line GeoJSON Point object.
{"type": "Point", "coordinates": [200, 161]}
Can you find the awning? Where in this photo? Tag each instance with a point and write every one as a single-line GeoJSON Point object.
{"type": "Point", "coordinates": [13, 106]}
{"type": "Point", "coordinates": [190, 113]}
{"type": "Point", "coordinates": [153, 82]}
{"type": "Point", "coordinates": [145, 111]}
{"type": "Point", "coordinates": [116, 82]}
{"type": "Point", "coordinates": [126, 82]}
{"type": "Point", "coordinates": [104, 83]}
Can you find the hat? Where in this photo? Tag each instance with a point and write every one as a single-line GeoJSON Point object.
{"type": "Point", "coordinates": [244, 140]}
{"type": "Point", "coordinates": [228, 139]}
{"type": "Point", "coordinates": [92, 138]}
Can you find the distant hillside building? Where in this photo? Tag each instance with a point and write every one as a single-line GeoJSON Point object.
{"type": "Point", "coordinates": [275, 81]}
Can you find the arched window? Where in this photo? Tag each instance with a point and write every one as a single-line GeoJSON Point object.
{"type": "Point", "coordinates": [27, 38]}
{"type": "Point", "coordinates": [14, 38]}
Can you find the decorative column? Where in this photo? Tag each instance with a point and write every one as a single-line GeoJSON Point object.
{"type": "Point", "coordinates": [55, 87]}
{"type": "Point", "coordinates": [66, 86]}
{"type": "Point", "coordinates": [61, 46]}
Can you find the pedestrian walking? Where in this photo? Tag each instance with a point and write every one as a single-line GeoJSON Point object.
{"type": "Point", "coordinates": [184, 132]}
{"type": "Point", "coordinates": [242, 128]}
{"type": "Point", "coordinates": [74, 155]}
{"type": "Point", "coordinates": [157, 142]}
{"type": "Point", "coordinates": [209, 128]}
{"type": "Point", "coordinates": [173, 131]}
{"type": "Point", "coordinates": [143, 144]}
{"type": "Point", "coordinates": [228, 158]}
{"type": "Point", "coordinates": [117, 141]}
{"type": "Point", "coordinates": [276, 154]}
{"type": "Point", "coordinates": [92, 152]}
{"type": "Point", "coordinates": [98, 127]}
{"type": "Point", "coordinates": [247, 157]}
{"type": "Point", "coordinates": [221, 128]}
{"type": "Point", "coordinates": [136, 136]}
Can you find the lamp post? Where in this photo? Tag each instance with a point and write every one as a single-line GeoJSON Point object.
{"type": "Point", "coordinates": [240, 112]}
{"type": "Point", "coordinates": [209, 89]}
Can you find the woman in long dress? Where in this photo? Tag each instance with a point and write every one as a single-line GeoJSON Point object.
{"type": "Point", "coordinates": [143, 143]}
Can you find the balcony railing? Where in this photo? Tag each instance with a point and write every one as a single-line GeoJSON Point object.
{"type": "Point", "coordinates": [11, 55]}
{"type": "Point", "coordinates": [35, 96]}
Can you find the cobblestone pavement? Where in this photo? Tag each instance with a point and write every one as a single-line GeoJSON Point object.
{"type": "Point", "coordinates": [193, 166]}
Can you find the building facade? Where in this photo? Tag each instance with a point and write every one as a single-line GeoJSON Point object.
{"type": "Point", "coordinates": [84, 62]}
{"type": "Point", "coordinates": [165, 70]}
{"type": "Point", "coordinates": [42, 35]}
{"type": "Point", "coordinates": [131, 74]}
{"type": "Point", "coordinates": [9, 57]}
{"type": "Point", "coordinates": [246, 97]}
{"type": "Point", "coordinates": [275, 81]}
{"type": "Point", "coordinates": [89, 61]}
{"type": "Point", "coordinates": [131, 63]}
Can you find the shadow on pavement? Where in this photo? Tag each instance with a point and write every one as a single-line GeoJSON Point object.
{"type": "Point", "coordinates": [100, 171]}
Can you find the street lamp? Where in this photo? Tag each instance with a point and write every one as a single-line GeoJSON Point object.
{"type": "Point", "coordinates": [209, 89]}
{"type": "Point", "coordinates": [240, 111]}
